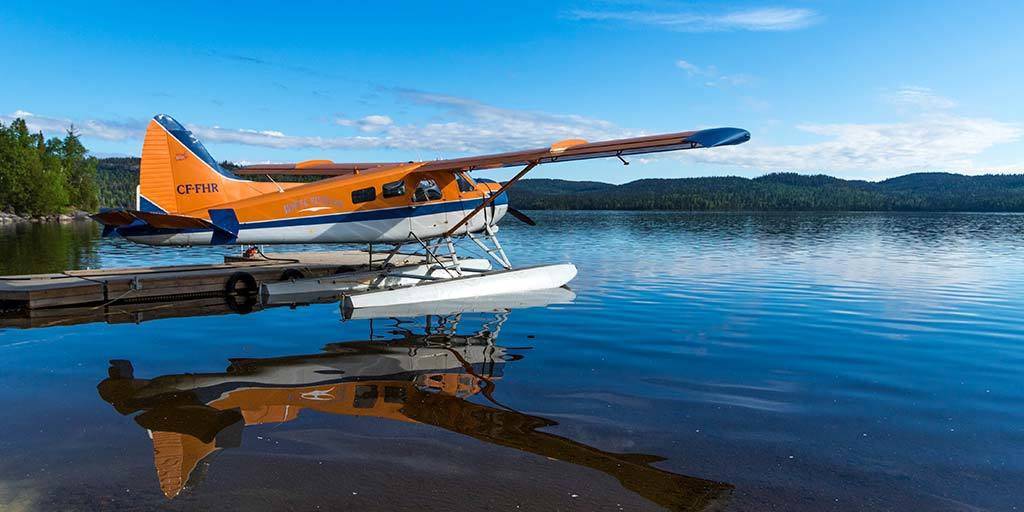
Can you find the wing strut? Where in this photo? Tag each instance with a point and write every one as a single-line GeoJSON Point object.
{"type": "Point", "coordinates": [490, 199]}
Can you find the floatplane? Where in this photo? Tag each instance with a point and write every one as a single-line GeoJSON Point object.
{"type": "Point", "coordinates": [185, 197]}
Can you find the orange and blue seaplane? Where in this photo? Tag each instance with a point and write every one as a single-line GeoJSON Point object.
{"type": "Point", "coordinates": [186, 198]}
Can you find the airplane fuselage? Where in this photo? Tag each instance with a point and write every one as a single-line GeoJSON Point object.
{"type": "Point", "coordinates": [383, 225]}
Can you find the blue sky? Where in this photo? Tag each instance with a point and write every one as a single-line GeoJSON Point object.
{"type": "Point", "coordinates": [854, 89]}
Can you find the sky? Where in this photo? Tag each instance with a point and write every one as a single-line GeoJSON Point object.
{"type": "Point", "coordinates": [864, 89]}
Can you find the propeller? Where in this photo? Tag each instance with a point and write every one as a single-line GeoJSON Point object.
{"type": "Point", "coordinates": [521, 216]}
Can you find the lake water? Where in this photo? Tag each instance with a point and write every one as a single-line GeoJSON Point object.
{"type": "Point", "coordinates": [741, 361]}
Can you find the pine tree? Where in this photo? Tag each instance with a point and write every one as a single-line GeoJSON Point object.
{"type": "Point", "coordinates": [22, 161]}
{"type": "Point", "coordinates": [48, 194]}
{"type": "Point", "coordinates": [79, 172]}
{"type": "Point", "coordinates": [7, 170]}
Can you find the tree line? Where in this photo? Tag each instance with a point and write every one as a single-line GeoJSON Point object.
{"type": "Point", "coordinates": [40, 176]}
{"type": "Point", "coordinates": [937, 191]}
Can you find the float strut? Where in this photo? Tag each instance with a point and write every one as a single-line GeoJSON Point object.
{"type": "Point", "coordinates": [490, 199]}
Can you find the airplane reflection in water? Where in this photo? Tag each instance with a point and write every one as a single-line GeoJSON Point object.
{"type": "Point", "coordinates": [424, 377]}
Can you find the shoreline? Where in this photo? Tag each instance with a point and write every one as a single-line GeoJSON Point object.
{"type": "Point", "coordinates": [74, 216]}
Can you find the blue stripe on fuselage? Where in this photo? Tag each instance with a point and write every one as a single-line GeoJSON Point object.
{"type": "Point", "coordinates": [378, 214]}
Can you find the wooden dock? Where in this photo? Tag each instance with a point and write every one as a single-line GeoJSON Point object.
{"type": "Point", "coordinates": [123, 312]}
{"type": "Point", "coordinates": [163, 283]}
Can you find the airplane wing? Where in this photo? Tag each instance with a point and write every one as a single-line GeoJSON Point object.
{"type": "Point", "coordinates": [579, 149]}
{"type": "Point", "coordinates": [563, 151]}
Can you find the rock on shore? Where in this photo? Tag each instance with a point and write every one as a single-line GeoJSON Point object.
{"type": "Point", "coordinates": [7, 218]}
{"type": "Point", "coordinates": [76, 215]}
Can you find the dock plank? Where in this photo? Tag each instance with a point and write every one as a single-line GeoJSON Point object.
{"type": "Point", "coordinates": [80, 287]}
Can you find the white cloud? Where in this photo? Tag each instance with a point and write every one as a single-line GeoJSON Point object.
{"type": "Point", "coordinates": [51, 126]}
{"type": "Point", "coordinates": [369, 123]}
{"type": "Point", "coordinates": [932, 142]}
{"type": "Point", "coordinates": [920, 97]}
{"type": "Point", "coordinates": [377, 120]}
{"type": "Point", "coordinates": [469, 126]}
{"type": "Point", "coordinates": [759, 19]}
{"type": "Point", "coordinates": [712, 77]}
{"type": "Point", "coordinates": [689, 67]}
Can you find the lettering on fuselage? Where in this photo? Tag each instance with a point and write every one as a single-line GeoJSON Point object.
{"type": "Point", "coordinates": [312, 202]}
{"type": "Point", "coordinates": [196, 188]}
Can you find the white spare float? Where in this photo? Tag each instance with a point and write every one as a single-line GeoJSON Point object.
{"type": "Point", "coordinates": [331, 287]}
{"type": "Point", "coordinates": [495, 282]}
{"type": "Point", "coordinates": [414, 284]}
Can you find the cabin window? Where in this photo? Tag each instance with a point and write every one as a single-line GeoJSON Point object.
{"type": "Point", "coordinates": [427, 190]}
{"type": "Point", "coordinates": [364, 194]}
{"type": "Point", "coordinates": [465, 185]}
{"type": "Point", "coordinates": [395, 395]}
{"type": "Point", "coordinates": [365, 397]}
{"type": "Point", "coordinates": [393, 189]}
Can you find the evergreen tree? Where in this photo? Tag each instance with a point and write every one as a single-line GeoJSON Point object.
{"type": "Point", "coordinates": [23, 163]}
{"type": "Point", "coordinates": [79, 171]}
{"type": "Point", "coordinates": [7, 171]}
{"type": "Point", "coordinates": [47, 193]}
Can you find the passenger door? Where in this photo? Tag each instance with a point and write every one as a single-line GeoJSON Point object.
{"type": "Point", "coordinates": [470, 196]}
{"type": "Point", "coordinates": [428, 216]}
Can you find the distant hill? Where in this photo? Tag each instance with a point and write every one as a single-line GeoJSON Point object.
{"type": "Point", "coordinates": [116, 179]}
{"type": "Point", "coordinates": [933, 191]}
{"type": "Point", "coordinates": [781, 192]}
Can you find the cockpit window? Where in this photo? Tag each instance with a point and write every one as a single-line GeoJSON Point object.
{"type": "Point", "coordinates": [427, 190]}
{"type": "Point", "coordinates": [365, 397]}
{"type": "Point", "coordinates": [465, 185]}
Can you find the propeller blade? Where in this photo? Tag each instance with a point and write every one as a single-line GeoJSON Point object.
{"type": "Point", "coordinates": [521, 216]}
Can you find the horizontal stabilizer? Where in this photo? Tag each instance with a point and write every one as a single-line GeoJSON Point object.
{"type": "Point", "coordinates": [171, 221]}
{"type": "Point", "coordinates": [123, 218]}
{"type": "Point", "coordinates": [224, 222]}
{"type": "Point", "coordinates": [113, 217]}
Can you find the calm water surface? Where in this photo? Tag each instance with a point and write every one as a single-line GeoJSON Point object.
{"type": "Point", "coordinates": [746, 362]}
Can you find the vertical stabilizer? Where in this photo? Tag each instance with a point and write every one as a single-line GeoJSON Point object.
{"type": "Point", "coordinates": [178, 175]}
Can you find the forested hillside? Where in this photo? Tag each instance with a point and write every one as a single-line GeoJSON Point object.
{"type": "Point", "coordinates": [780, 192]}
{"type": "Point", "coordinates": [117, 179]}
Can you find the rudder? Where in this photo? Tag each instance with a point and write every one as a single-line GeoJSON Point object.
{"type": "Point", "coordinates": [178, 175]}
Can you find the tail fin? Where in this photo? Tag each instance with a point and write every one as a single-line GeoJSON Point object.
{"type": "Point", "coordinates": [178, 175]}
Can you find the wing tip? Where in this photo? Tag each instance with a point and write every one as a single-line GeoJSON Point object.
{"type": "Point", "coordinates": [715, 137]}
